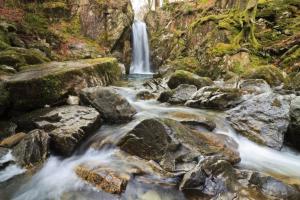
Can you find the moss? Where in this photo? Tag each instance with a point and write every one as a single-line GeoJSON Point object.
{"type": "Point", "coordinates": [269, 73]}
{"type": "Point", "coordinates": [186, 63]}
{"type": "Point", "coordinates": [221, 49]}
{"type": "Point", "coordinates": [185, 77]}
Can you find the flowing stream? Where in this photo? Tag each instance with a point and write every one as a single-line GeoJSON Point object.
{"type": "Point", "coordinates": [57, 179]}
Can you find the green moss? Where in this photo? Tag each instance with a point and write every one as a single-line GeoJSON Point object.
{"type": "Point", "coordinates": [269, 73]}
{"type": "Point", "coordinates": [186, 63]}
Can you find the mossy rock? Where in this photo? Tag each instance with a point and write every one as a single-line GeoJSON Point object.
{"type": "Point", "coordinates": [186, 63]}
{"type": "Point", "coordinates": [185, 77]}
{"type": "Point", "coordinates": [3, 45]}
{"type": "Point", "coordinates": [273, 75]}
{"type": "Point", "coordinates": [18, 57]}
{"type": "Point", "coordinates": [50, 83]}
{"type": "Point", "coordinates": [293, 82]}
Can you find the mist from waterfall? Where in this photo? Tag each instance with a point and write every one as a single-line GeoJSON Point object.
{"type": "Point", "coordinates": [141, 53]}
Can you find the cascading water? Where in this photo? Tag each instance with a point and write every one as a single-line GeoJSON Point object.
{"type": "Point", "coordinates": [141, 54]}
{"type": "Point", "coordinates": [141, 59]}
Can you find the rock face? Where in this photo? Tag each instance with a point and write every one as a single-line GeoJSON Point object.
{"type": "Point", "coordinates": [51, 82]}
{"type": "Point", "coordinates": [263, 119]}
{"type": "Point", "coordinates": [67, 125]}
{"type": "Point", "coordinates": [185, 77]}
{"type": "Point", "coordinates": [113, 107]}
{"type": "Point", "coordinates": [106, 21]}
{"type": "Point", "coordinates": [171, 144]}
{"type": "Point", "coordinates": [215, 97]}
{"type": "Point", "coordinates": [218, 179]}
{"type": "Point", "coordinates": [179, 95]}
{"type": "Point", "coordinates": [104, 179]}
{"type": "Point", "coordinates": [293, 135]}
{"type": "Point", "coordinates": [34, 148]}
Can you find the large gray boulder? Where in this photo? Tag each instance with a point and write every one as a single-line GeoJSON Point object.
{"type": "Point", "coordinates": [178, 95]}
{"type": "Point", "coordinates": [113, 107]}
{"type": "Point", "coordinates": [218, 179]}
{"type": "Point", "coordinates": [67, 125]}
{"type": "Point", "coordinates": [166, 141]}
{"type": "Point", "coordinates": [263, 119]}
{"type": "Point", "coordinates": [215, 98]}
{"type": "Point", "coordinates": [33, 149]}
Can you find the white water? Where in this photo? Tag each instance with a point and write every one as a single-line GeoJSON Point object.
{"type": "Point", "coordinates": [141, 54]}
{"type": "Point", "coordinates": [58, 177]}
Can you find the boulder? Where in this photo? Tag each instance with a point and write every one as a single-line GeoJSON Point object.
{"type": "Point", "coordinates": [145, 95]}
{"type": "Point", "coordinates": [178, 95]}
{"type": "Point", "coordinates": [171, 144]}
{"type": "Point", "coordinates": [67, 125]}
{"type": "Point", "coordinates": [254, 86]}
{"type": "Point", "coordinates": [50, 83]}
{"type": "Point", "coordinates": [218, 179]}
{"type": "Point", "coordinates": [32, 149]}
{"type": "Point", "coordinates": [103, 178]}
{"type": "Point", "coordinates": [12, 140]}
{"type": "Point", "coordinates": [113, 107]}
{"type": "Point", "coordinates": [263, 118]}
{"type": "Point", "coordinates": [216, 98]}
{"type": "Point", "coordinates": [185, 77]}
{"type": "Point", "coordinates": [293, 134]}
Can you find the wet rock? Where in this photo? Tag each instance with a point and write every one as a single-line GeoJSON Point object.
{"type": "Point", "coordinates": [145, 95]}
{"type": "Point", "coordinates": [50, 83]}
{"type": "Point", "coordinates": [67, 125]}
{"type": "Point", "coordinates": [255, 86]}
{"type": "Point", "coordinates": [263, 119]}
{"type": "Point", "coordinates": [33, 149]}
{"type": "Point", "coordinates": [293, 135]}
{"type": "Point", "coordinates": [104, 179]}
{"type": "Point", "coordinates": [113, 107]}
{"type": "Point", "coordinates": [274, 188]}
{"type": "Point", "coordinates": [169, 143]}
{"type": "Point", "coordinates": [185, 77]}
{"type": "Point", "coordinates": [156, 85]}
{"type": "Point", "coordinates": [12, 140]}
{"type": "Point", "coordinates": [7, 128]}
{"type": "Point", "coordinates": [193, 120]}
{"type": "Point", "coordinates": [218, 179]}
{"type": "Point", "coordinates": [178, 95]}
{"type": "Point", "coordinates": [216, 98]}
{"type": "Point", "coordinates": [73, 100]}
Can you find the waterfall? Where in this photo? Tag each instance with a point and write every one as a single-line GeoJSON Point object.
{"type": "Point", "coordinates": [141, 54]}
{"type": "Point", "coordinates": [141, 59]}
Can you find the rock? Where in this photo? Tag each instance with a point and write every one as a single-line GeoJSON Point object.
{"type": "Point", "coordinates": [67, 125]}
{"type": "Point", "coordinates": [219, 180]}
{"type": "Point", "coordinates": [216, 98]}
{"type": "Point", "coordinates": [274, 188]}
{"type": "Point", "coordinates": [113, 107]}
{"type": "Point", "coordinates": [17, 57]}
{"type": "Point", "coordinates": [156, 85]}
{"type": "Point", "coordinates": [193, 120]}
{"type": "Point", "coordinates": [178, 95]}
{"type": "Point", "coordinates": [263, 119]}
{"type": "Point", "coordinates": [33, 149]}
{"type": "Point", "coordinates": [73, 100]}
{"type": "Point", "coordinates": [117, 17]}
{"type": "Point", "coordinates": [105, 179]}
{"type": "Point", "coordinates": [7, 129]}
{"type": "Point", "coordinates": [293, 134]}
{"type": "Point", "coordinates": [185, 77]}
{"type": "Point", "coordinates": [145, 95]}
{"type": "Point", "coordinates": [50, 83]}
{"type": "Point", "coordinates": [12, 140]}
{"type": "Point", "coordinates": [166, 141]}
{"type": "Point", "coordinates": [271, 74]}
{"type": "Point", "coordinates": [255, 86]}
